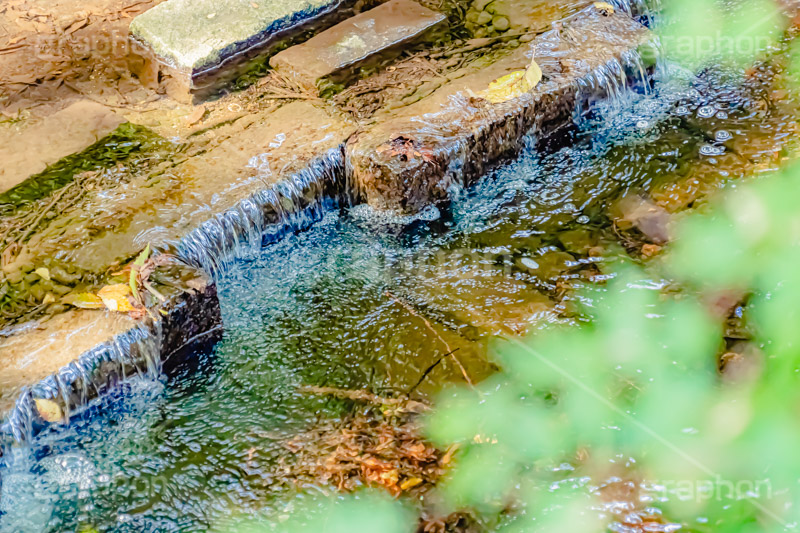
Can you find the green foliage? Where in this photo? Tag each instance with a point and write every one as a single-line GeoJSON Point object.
{"type": "Point", "coordinates": [697, 32]}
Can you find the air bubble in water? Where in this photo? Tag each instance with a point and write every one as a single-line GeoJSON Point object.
{"type": "Point", "coordinates": [723, 135]}
{"type": "Point", "coordinates": [681, 110]}
{"type": "Point", "coordinates": [583, 219]}
{"type": "Point", "coordinates": [706, 111]}
{"type": "Point", "coordinates": [711, 150]}
{"type": "Point", "coordinates": [722, 115]}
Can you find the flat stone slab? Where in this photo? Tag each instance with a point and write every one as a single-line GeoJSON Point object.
{"type": "Point", "coordinates": [450, 139]}
{"type": "Point", "coordinates": [69, 131]}
{"type": "Point", "coordinates": [194, 37]}
{"type": "Point", "coordinates": [371, 36]}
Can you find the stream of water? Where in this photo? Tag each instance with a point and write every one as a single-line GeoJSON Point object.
{"type": "Point", "coordinates": [366, 301]}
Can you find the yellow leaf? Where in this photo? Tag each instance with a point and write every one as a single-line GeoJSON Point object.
{"type": "Point", "coordinates": [115, 297]}
{"type": "Point", "coordinates": [513, 85]}
{"type": "Point", "coordinates": [533, 75]}
{"type": "Point", "coordinates": [49, 298]}
{"type": "Point", "coordinates": [43, 273]}
{"type": "Point", "coordinates": [605, 7]}
{"type": "Point", "coordinates": [410, 483]}
{"type": "Point", "coordinates": [85, 300]}
{"type": "Point", "coordinates": [49, 410]}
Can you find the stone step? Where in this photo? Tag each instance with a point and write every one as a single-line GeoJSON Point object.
{"type": "Point", "coordinates": [71, 130]}
{"type": "Point", "coordinates": [415, 158]}
{"type": "Point", "coordinates": [369, 38]}
{"type": "Point", "coordinates": [257, 171]}
{"type": "Point", "coordinates": [192, 40]}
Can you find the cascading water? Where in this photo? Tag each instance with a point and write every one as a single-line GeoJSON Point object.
{"type": "Point", "coordinates": [292, 204]}
{"type": "Point", "coordinates": [264, 218]}
{"type": "Point", "coordinates": [136, 352]}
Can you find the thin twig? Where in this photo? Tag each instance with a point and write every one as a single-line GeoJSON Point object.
{"type": "Point", "coordinates": [428, 371]}
{"type": "Point", "coordinates": [451, 352]}
{"type": "Point", "coordinates": [361, 396]}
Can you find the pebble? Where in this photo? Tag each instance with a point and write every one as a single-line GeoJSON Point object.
{"type": "Point", "coordinates": [500, 23]}
{"type": "Point", "coordinates": [526, 38]}
{"type": "Point", "coordinates": [484, 18]}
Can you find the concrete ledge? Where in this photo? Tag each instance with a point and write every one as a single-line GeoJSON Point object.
{"type": "Point", "coordinates": [364, 40]}
{"type": "Point", "coordinates": [196, 41]}
{"type": "Point", "coordinates": [452, 138]}
{"type": "Point", "coordinates": [256, 178]}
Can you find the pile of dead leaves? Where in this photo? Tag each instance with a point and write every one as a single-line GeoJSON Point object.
{"type": "Point", "coordinates": [381, 447]}
{"type": "Point", "coordinates": [406, 147]}
{"type": "Point", "coordinates": [367, 450]}
{"type": "Point", "coordinates": [126, 297]}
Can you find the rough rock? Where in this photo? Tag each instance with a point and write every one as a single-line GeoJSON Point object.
{"type": "Point", "coordinates": [194, 39]}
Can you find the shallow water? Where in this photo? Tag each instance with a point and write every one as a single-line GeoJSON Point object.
{"type": "Point", "coordinates": [366, 301]}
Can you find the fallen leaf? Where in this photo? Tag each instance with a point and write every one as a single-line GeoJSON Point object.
{"type": "Point", "coordinates": [85, 300]}
{"type": "Point", "coordinates": [76, 26]}
{"type": "Point", "coordinates": [49, 298]}
{"type": "Point", "coordinates": [49, 410]}
{"type": "Point", "coordinates": [134, 278]}
{"type": "Point", "coordinates": [410, 483]}
{"type": "Point", "coordinates": [513, 85]}
{"type": "Point", "coordinates": [196, 116]}
{"type": "Point", "coordinates": [649, 250]}
{"type": "Point", "coordinates": [43, 273]}
{"type": "Point", "coordinates": [115, 297]}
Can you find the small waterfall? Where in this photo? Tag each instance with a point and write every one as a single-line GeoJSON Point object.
{"type": "Point", "coordinates": [263, 218]}
{"type": "Point", "coordinates": [619, 81]}
{"type": "Point", "coordinates": [96, 372]}
{"type": "Point", "coordinates": [291, 204]}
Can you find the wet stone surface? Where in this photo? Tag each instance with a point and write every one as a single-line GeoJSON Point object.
{"type": "Point", "coordinates": [362, 40]}
{"type": "Point", "coordinates": [413, 159]}
{"type": "Point", "coordinates": [161, 204]}
{"type": "Point", "coordinates": [207, 183]}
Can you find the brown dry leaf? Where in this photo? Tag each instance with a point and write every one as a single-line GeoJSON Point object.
{"type": "Point", "coordinates": [115, 297]}
{"type": "Point", "coordinates": [197, 284]}
{"type": "Point", "coordinates": [76, 26]}
{"type": "Point", "coordinates": [49, 410]}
